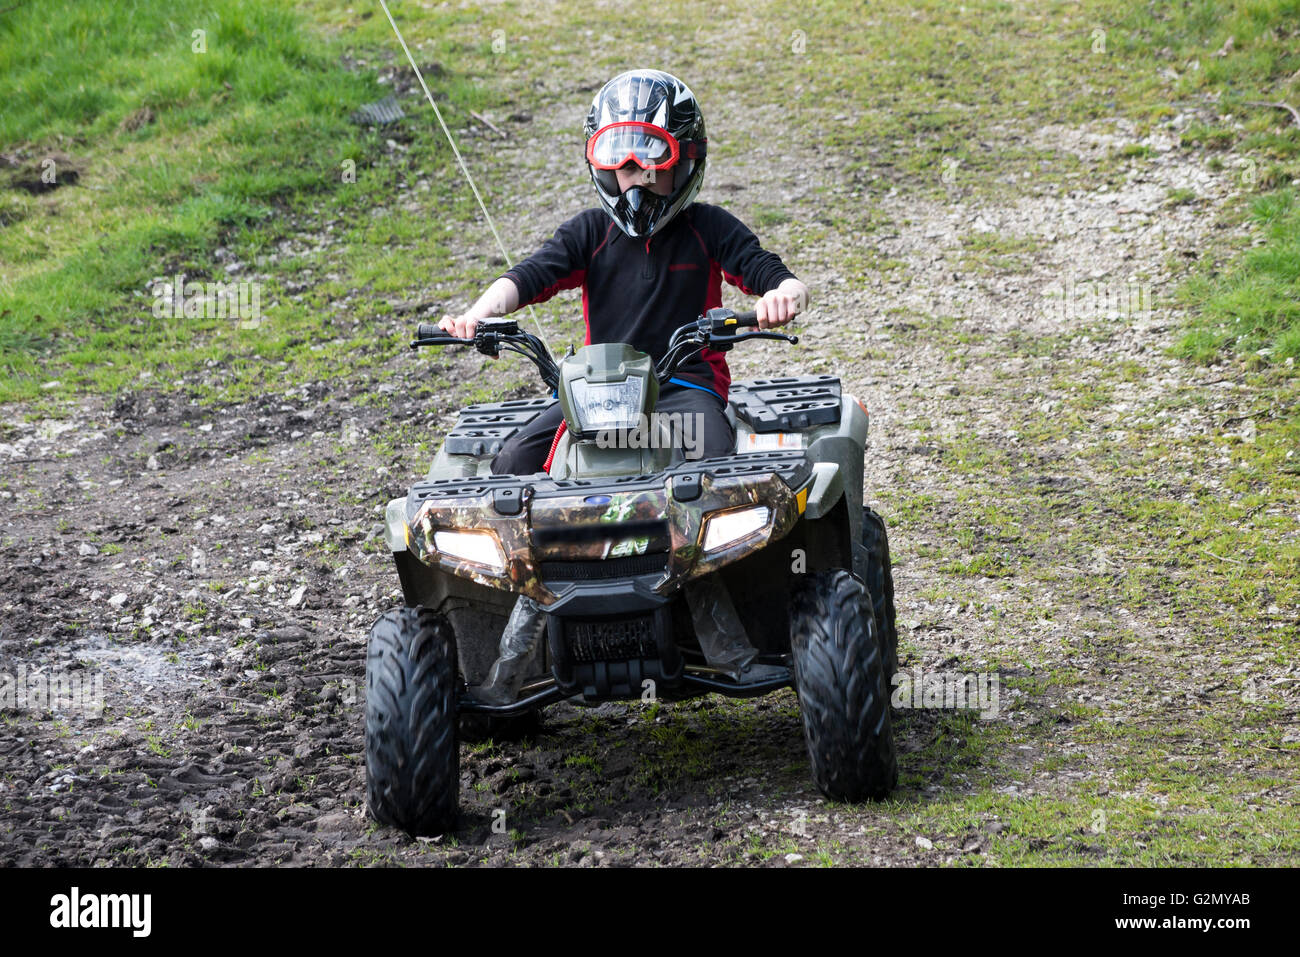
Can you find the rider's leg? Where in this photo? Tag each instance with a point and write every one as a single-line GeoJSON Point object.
{"type": "Point", "coordinates": [717, 625]}
{"type": "Point", "coordinates": [708, 432]}
{"type": "Point", "coordinates": [525, 452]}
{"type": "Point", "coordinates": [523, 631]}
{"type": "Point", "coordinates": [722, 634]}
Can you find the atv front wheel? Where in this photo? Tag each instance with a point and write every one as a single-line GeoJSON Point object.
{"type": "Point", "coordinates": [412, 758]}
{"type": "Point", "coordinates": [880, 587]}
{"type": "Point", "coordinates": [839, 672]}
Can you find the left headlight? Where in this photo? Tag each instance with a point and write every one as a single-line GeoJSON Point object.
{"type": "Point", "coordinates": [606, 405]}
{"type": "Point", "coordinates": [726, 528]}
{"type": "Point", "coordinates": [481, 548]}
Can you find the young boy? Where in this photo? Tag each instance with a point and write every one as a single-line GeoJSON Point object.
{"type": "Point", "coordinates": [649, 260]}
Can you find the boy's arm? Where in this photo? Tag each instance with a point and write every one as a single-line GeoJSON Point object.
{"type": "Point", "coordinates": [560, 263]}
{"type": "Point", "coordinates": [755, 270]}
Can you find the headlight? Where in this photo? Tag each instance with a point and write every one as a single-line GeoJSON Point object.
{"type": "Point", "coordinates": [606, 405]}
{"type": "Point", "coordinates": [726, 528]}
{"type": "Point", "coordinates": [481, 548]}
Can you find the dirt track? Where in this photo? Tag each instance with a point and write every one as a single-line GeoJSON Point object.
{"type": "Point", "coordinates": [232, 565]}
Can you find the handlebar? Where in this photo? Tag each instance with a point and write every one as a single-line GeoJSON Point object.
{"type": "Point", "coordinates": [490, 336]}
{"type": "Point", "coordinates": [488, 330]}
{"type": "Point", "coordinates": [715, 329]}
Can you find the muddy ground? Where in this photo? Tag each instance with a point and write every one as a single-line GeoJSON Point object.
{"type": "Point", "coordinates": [220, 567]}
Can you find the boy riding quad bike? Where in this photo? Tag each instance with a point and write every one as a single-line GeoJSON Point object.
{"type": "Point", "coordinates": [624, 565]}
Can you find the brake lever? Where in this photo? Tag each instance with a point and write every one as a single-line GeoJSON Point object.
{"type": "Point", "coordinates": [725, 343]}
{"type": "Point", "coordinates": [440, 341]}
{"type": "Point", "coordinates": [793, 340]}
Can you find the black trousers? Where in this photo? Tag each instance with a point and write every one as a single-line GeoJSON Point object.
{"type": "Point", "coordinates": [525, 452]}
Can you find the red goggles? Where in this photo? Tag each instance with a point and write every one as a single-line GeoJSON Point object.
{"type": "Point", "coordinates": [647, 145]}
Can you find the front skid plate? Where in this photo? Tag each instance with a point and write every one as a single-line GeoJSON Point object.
{"type": "Point", "coordinates": [693, 686]}
{"type": "Point", "coordinates": [593, 520]}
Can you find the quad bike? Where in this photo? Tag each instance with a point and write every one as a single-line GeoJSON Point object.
{"type": "Point", "coordinates": [609, 544]}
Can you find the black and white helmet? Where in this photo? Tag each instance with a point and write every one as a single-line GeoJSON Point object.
{"type": "Point", "coordinates": [652, 119]}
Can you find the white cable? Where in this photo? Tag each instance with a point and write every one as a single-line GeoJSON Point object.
{"type": "Point", "coordinates": [464, 169]}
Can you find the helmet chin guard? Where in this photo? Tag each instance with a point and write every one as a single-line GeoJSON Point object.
{"type": "Point", "coordinates": [631, 119]}
{"type": "Point", "coordinates": [640, 209]}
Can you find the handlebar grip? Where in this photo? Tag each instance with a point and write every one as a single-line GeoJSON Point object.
{"type": "Point", "coordinates": [725, 321]}
{"type": "Point", "coordinates": [427, 330]}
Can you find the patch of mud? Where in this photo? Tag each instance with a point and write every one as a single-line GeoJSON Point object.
{"type": "Point", "coordinates": [38, 173]}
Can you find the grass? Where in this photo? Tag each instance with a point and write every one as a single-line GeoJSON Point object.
{"type": "Point", "coordinates": [1171, 569]}
{"type": "Point", "coordinates": [242, 139]}
{"type": "Point", "coordinates": [990, 252]}
{"type": "Point", "coordinates": [238, 146]}
{"type": "Point", "coordinates": [1253, 305]}
{"type": "Point", "coordinates": [1248, 304]}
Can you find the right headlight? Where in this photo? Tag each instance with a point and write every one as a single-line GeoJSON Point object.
{"type": "Point", "coordinates": [478, 547]}
{"type": "Point", "coordinates": [726, 528]}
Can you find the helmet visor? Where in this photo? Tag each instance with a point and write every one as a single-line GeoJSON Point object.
{"type": "Point", "coordinates": [649, 146]}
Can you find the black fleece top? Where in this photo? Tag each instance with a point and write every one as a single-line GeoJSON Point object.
{"type": "Point", "coordinates": [638, 291]}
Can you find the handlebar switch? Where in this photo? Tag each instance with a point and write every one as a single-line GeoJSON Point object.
{"type": "Point", "coordinates": [723, 321]}
{"type": "Point", "coordinates": [720, 321]}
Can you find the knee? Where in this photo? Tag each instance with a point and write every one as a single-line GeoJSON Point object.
{"type": "Point", "coordinates": [503, 462]}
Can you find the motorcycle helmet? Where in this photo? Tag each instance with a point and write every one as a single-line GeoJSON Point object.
{"type": "Point", "coordinates": [652, 119]}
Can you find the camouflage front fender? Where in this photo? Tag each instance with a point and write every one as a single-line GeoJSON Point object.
{"type": "Point", "coordinates": [542, 520]}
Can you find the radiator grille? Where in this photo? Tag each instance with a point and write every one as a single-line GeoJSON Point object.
{"type": "Point", "coordinates": [613, 640]}
{"type": "Point", "coordinates": [604, 569]}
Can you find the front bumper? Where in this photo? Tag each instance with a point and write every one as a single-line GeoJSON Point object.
{"type": "Point", "coordinates": [565, 543]}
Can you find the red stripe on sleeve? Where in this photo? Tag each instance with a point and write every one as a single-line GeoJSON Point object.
{"type": "Point", "coordinates": [571, 281]}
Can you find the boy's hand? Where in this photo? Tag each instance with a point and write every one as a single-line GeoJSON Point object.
{"type": "Point", "coordinates": [462, 327]}
{"type": "Point", "coordinates": [500, 298]}
{"type": "Point", "coordinates": [782, 304]}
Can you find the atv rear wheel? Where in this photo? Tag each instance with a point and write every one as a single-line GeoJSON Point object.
{"type": "Point", "coordinates": [880, 586]}
{"type": "Point", "coordinates": [839, 672]}
{"type": "Point", "coordinates": [412, 758]}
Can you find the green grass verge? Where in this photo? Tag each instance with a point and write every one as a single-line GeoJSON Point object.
{"type": "Point", "coordinates": [1254, 305]}
{"type": "Point", "coordinates": [1246, 56]}
{"type": "Point", "coordinates": [173, 131]}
